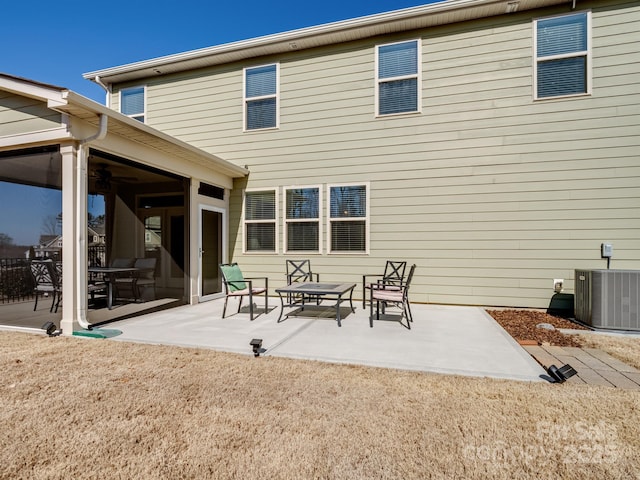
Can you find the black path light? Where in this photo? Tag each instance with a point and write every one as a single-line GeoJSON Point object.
{"type": "Point", "coordinates": [51, 329]}
{"type": "Point", "coordinates": [561, 374]}
{"type": "Point", "coordinates": [256, 343]}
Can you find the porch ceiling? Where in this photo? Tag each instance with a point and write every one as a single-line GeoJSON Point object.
{"type": "Point", "coordinates": [118, 124]}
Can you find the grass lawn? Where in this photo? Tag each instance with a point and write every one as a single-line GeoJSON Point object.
{"type": "Point", "coordinates": [85, 408]}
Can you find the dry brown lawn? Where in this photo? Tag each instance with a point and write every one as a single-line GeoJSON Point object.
{"type": "Point", "coordinates": [86, 408]}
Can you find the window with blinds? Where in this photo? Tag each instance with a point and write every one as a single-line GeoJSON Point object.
{"type": "Point", "coordinates": [562, 55]}
{"type": "Point", "coordinates": [261, 97]}
{"type": "Point", "coordinates": [132, 102]}
{"type": "Point", "coordinates": [348, 218]}
{"type": "Point", "coordinates": [260, 221]}
{"type": "Point", "coordinates": [302, 219]}
{"type": "Point", "coordinates": [397, 78]}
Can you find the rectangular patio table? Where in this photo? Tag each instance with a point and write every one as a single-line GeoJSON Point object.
{"type": "Point", "coordinates": [316, 289]}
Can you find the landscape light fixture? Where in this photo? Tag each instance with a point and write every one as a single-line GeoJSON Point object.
{"type": "Point", "coordinates": [256, 343]}
{"type": "Point", "coordinates": [51, 329]}
{"type": "Point", "coordinates": [560, 375]}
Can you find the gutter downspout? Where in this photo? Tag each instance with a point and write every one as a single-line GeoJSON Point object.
{"type": "Point", "coordinates": [99, 81]}
{"type": "Point", "coordinates": [81, 199]}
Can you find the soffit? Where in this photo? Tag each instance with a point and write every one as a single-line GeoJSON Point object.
{"type": "Point", "coordinates": [424, 16]}
{"type": "Point", "coordinates": [121, 125]}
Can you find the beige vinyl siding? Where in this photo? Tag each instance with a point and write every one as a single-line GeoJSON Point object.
{"type": "Point", "coordinates": [490, 193]}
{"type": "Point", "coordinates": [19, 114]}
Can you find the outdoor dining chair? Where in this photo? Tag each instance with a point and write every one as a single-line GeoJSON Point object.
{"type": "Point", "coordinates": [236, 285]}
{"type": "Point", "coordinates": [395, 295]}
{"type": "Point", "coordinates": [46, 282]}
{"type": "Point", "coordinates": [300, 271]}
{"type": "Point", "coordinates": [392, 276]}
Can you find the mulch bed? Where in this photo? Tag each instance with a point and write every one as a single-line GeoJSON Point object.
{"type": "Point", "coordinates": [522, 325]}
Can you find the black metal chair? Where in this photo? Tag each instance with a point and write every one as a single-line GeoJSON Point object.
{"type": "Point", "coordinates": [46, 282]}
{"type": "Point", "coordinates": [391, 278]}
{"type": "Point", "coordinates": [398, 295]}
{"type": "Point", "coordinates": [300, 271]}
{"type": "Point", "coordinates": [237, 285]}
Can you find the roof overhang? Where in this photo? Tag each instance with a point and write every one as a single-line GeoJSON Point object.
{"type": "Point", "coordinates": [75, 105]}
{"type": "Point", "coordinates": [431, 15]}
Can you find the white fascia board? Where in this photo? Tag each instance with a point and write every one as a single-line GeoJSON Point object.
{"type": "Point", "coordinates": [33, 138]}
{"type": "Point", "coordinates": [31, 89]}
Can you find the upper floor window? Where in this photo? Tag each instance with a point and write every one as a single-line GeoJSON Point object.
{"type": "Point", "coordinates": [261, 97]}
{"type": "Point", "coordinates": [260, 221]}
{"type": "Point", "coordinates": [562, 55]}
{"type": "Point", "coordinates": [302, 219]}
{"type": "Point", "coordinates": [132, 102]}
{"type": "Point", "coordinates": [398, 78]}
{"type": "Point", "coordinates": [348, 218]}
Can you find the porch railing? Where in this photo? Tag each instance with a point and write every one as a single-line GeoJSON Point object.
{"type": "Point", "coordinates": [16, 283]}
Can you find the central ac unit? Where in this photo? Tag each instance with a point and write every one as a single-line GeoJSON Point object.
{"type": "Point", "coordinates": [608, 299]}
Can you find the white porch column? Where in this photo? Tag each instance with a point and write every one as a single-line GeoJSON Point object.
{"type": "Point", "coordinates": [74, 237]}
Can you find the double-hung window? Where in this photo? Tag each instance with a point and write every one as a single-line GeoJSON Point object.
{"type": "Point", "coordinates": [260, 221]}
{"type": "Point", "coordinates": [261, 97]}
{"type": "Point", "coordinates": [398, 78]}
{"type": "Point", "coordinates": [132, 102]}
{"type": "Point", "coordinates": [348, 218]}
{"type": "Point", "coordinates": [562, 55]}
{"type": "Point", "coordinates": [302, 219]}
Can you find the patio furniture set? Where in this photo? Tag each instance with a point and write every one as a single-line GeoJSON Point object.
{"type": "Point", "coordinates": [126, 278]}
{"type": "Point", "coordinates": [304, 289]}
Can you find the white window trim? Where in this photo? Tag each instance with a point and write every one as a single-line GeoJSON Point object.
{"type": "Point", "coordinates": [245, 99]}
{"type": "Point", "coordinates": [583, 53]}
{"type": "Point", "coordinates": [286, 221]}
{"type": "Point", "coordinates": [366, 218]}
{"type": "Point", "coordinates": [417, 75]}
{"type": "Point", "coordinates": [136, 115]}
{"type": "Point", "coordinates": [245, 250]}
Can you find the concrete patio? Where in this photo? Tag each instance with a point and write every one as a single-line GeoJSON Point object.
{"type": "Point", "coordinates": [443, 339]}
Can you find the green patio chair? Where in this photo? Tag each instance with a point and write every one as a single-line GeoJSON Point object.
{"type": "Point", "coordinates": [237, 285]}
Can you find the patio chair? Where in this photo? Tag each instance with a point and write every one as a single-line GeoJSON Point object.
{"type": "Point", "coordinates": [392, 276]}
{"type": "Point", "coordinates": [236, 285]}
{"type": "Point", "coordinates": [300, 271]}
{"type": "Point", "coordinates": [46, 282]}
{"type": "Point", "coordinates": [139, 284]}
{"type": "Point", "coordinates": [397, 295]}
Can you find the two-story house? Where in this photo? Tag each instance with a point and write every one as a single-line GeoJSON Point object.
{"type": "Point", "coordinates": [495, 144]}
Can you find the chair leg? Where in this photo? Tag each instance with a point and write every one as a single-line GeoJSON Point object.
{"type": "Point", "coordinates": [250, 305]}
{"type": "Point", "coordinates": [224, 309]}
{"type": "Point", "coordinates": [36, 305]}
{"type": "Point", "coordinates": [53, 302]}
{"type": "Point", "coordinates": [370, 309]}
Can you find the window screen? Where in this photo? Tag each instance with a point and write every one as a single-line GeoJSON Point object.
{"type": "Point", "coordinates": [261, 97]}
{"type": "Point", "coordinates": [132, 102]}
{"type": "Point", "coordinates": [348, 218]}
{"type": "Point", "coordinates": [302, 219]}
{"type": "Point", "coordinates": [562, 54]}
{"type": "Point", "coordinates": [397, 78]}
{"type": "Point", "coordinates": [260, 221]}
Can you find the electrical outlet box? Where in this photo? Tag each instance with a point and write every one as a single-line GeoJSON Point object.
{"type": "Point", "coordinates": [606, 250]}
{"type": "Point", "coordinates": [558, 284]}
